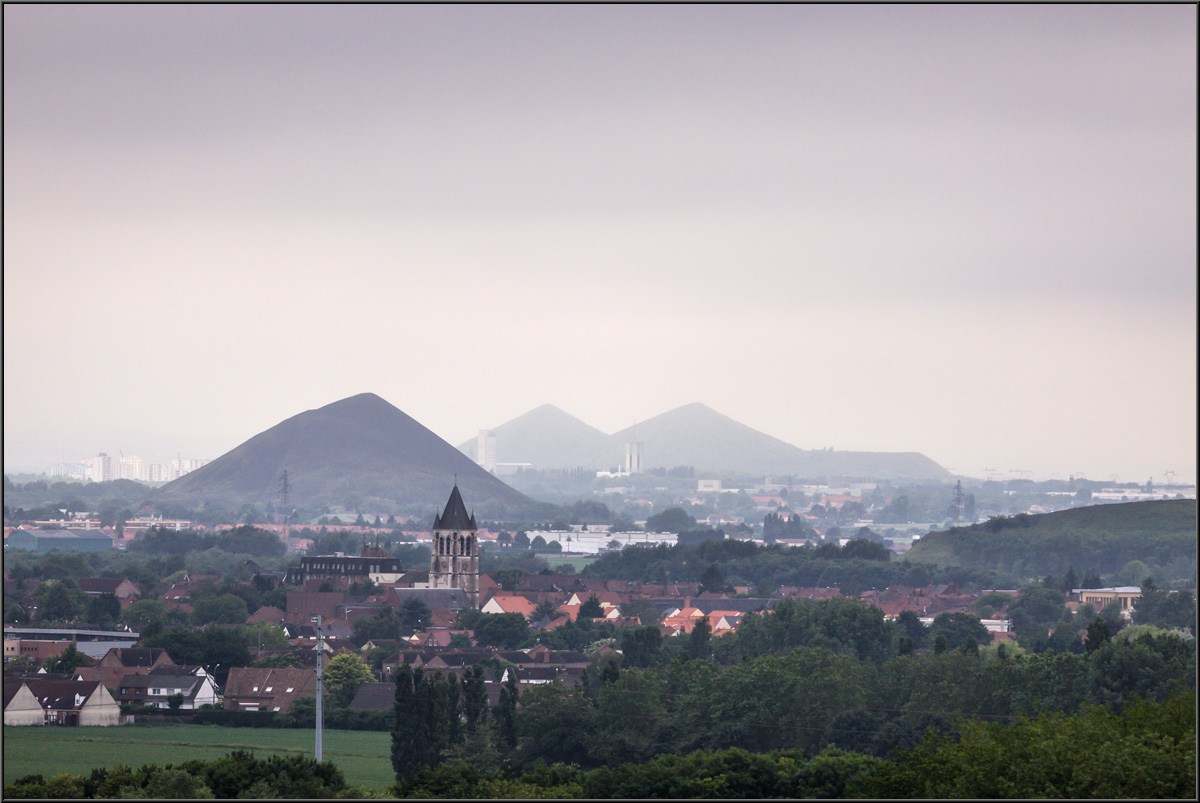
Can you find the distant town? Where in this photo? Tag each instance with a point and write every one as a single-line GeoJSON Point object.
{"type": "Point", "coordinates": [599, 618]}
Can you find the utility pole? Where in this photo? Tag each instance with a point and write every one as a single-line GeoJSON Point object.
{"type": "Point", "coordinates": [320, 664]}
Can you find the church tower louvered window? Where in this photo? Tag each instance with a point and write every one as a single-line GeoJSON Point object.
{"type": "Point", "coordinates": [455, 559]}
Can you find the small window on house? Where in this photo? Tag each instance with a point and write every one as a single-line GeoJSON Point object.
{"type": "Point", "coordinates": [268, 688]}
{"type": "Point", "coordinates": [289, 688]}
{"type": "Point", "coordinates": [276, 708]}
{"type": "Point", "coordinates": [256, 688]}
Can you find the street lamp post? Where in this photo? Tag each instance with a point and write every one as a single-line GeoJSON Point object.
{"type": "Point", "coordinates": [320, 712]}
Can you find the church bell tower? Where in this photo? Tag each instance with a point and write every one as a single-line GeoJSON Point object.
{"type": "Point", "coordinates": [455, 559]}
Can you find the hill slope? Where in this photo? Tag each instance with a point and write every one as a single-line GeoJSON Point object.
{"type": "Point", "coordinates": [1100, 537]}
{"type": "Point", "coordinates": [546, 436]}
{"type": "Point", "coordinates": [698, 436]}
{"type": "Point", "coordinates": [358, 448]}
{"type": "Point", "coordinates": [693, 435]}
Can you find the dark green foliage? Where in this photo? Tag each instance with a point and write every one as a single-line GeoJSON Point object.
{"type": "Point", "coordinates": [60, 601]}
{"type": "Point", "coordinates": [774, 526]}
{"type": "Point", "coordinates": [383, 625]}
{"type": "Point", "coordinates": [1036, 609]}
{"type": "Point", "coordinates": [217, 649]}
{"type": "Point", "coordinates": [643, 610]}
{"type": "Point", "coordinates": [713, 580]}
{"type": "Point", "coordinates": [103, 610]}
{"type": "Point", "coordinates": [279, 661]}
{"type": "Point", "coordinates": [413, 615]}
{"type": "Point", "coordinates": [67, 661]}
{"type": "Point", "coordinates": [405, 749]}
{"type": "Point", "coordinates": [1105, 537]}
{"type": "Point", "coordinates": [841, 623]}
{"type": "Point", "coordinates": [909, 624]}
{"type": "Point", "coordinates": [860, 564]}
{"type": "Point", "coordinates": [720, 774]}
{"type": "Point", "coordinates": [474, 698]}
{"type": "Point", "coordinates": [1098, 634]}
{"type": "Point", "coordinates": [590, 609]}
{"type": "Point", "coordinates": [577, 635]}
{"type": "Point", "coordinates": [1166, 609]}
{"type": "Point", "coordinates": [1147, 751]}
{"type": "Point", "coordinates": [671, 520]}
{"type": "Point", "coordinates": [555, 725]}
{"type": "Point", "coordinates": [242, 540]}
{"type": "Point", "coordinates": [240, 719]}
{"type": "Point", "coordinates": [303, 715]}
{"type": "Point", "coordinates": [699, 638]}
{"type": "Point", "coordinates": [642, 646]}
{"type": "Point", "coordinates": [507, 631]}
{"type": "Point", "coordinates": [958, 629]}
{"type": "Point", "coordinates": [238, 774]}
{"type": "Point", "coordinates": [223, 609]}
{"type": "Point", "coordinates": [505, 712]}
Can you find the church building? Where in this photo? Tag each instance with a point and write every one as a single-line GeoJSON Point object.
{"type": "Point", "coordinates": [455, 559]}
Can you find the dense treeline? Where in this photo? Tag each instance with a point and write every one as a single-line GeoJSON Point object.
{"type": "Point", "coordinates": [811, 697]}
{"type": "Point", "coordinates": [804, 677]}
{"type": "Point", "coordinates": [244, 539]}
{"type": "Point", "coordinates": [859, 565]}
{"type": "Point", "coordinates": [1159, 534]}
{"type": "Point", "coordinates": [1143, 750]}
{"type": "Point", "coordinates": [236, 775]}
{"type": "Point", "coordinates": [1148, 750]}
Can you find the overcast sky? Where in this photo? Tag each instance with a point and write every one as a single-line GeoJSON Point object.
{"type": "Point", "coordinates": [964, 231]}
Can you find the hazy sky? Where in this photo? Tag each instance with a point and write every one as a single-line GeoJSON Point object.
{"type": "Point", "coordinates": [965, 231]}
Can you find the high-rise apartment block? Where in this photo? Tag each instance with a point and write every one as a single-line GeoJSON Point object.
{"type": "Point", "coordinates": [633, 457]}
{"type": "Point", "coordinates": [486, 450]}
{"type": "Point", "coordinates": [99, 468]}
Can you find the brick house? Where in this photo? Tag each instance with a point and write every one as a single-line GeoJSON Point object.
{"type": "Point", "coordinates": [262, 689]}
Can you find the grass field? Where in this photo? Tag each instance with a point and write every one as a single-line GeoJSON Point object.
{"type": "Point", "coordinates": [363, 756]}
{"type": "Point", "coordinates": [578, 561]}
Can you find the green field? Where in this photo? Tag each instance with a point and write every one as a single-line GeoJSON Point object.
{"type": "Point", "coordinates": [577, 561]}
{"type": "Point", "coordinates": [363, 756]}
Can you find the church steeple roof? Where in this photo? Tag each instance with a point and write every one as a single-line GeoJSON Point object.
{"type": "Point", "coordinates": [454, 517]}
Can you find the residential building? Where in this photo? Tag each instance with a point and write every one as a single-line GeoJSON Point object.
{"type": "Point", "coordinates": [99, 468]}
{"type": "Point", "coordinates": [194, 685]}
{"type": "Point", "coordinates": [486, 450]}
{"type": "Point", "coordinates": [120, 587]}
{"type": "Point", "coordinates": [186, 465]}
{"type": "Point", "coordinates": [21, 707]}
{"type": "Point", "coordinates": [374, 697]}
{"type": "Point", "coordinates": [509, 603]}
{"type": "Point", "coordinates": [75, 702]}
{"type": "Point", "coordinates": [133, 468]}
{"type": "Point", "coordinates": [372, 564]}
{"type": "Point", "coordinates": [260, 689]}
{"type": "Point", "coordinates": [120, 662]}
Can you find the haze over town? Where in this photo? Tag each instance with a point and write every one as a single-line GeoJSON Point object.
{"type": "Point", "coordinates": [967, 232]}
